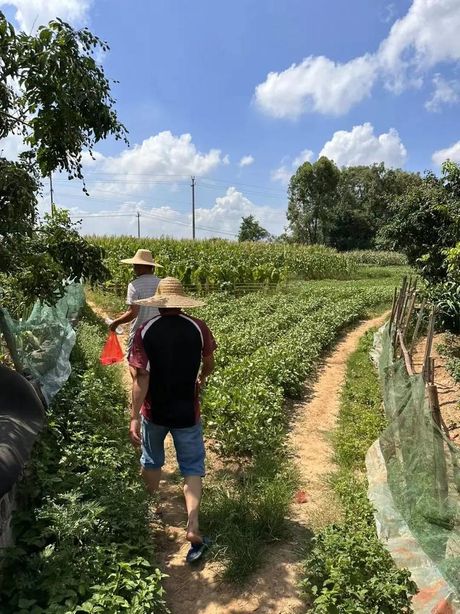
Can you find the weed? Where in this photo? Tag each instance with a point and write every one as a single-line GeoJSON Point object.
{"type": "Point", "coordinates": [82, 541]}
{"type": "Point", "coordinates": [245, 509]}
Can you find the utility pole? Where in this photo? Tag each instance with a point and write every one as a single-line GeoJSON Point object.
{"type": "Point", "coordinates": [193, 206]}
{"type": "Point", "coordinates": [138, 225]}
{"type": "Point", "coordinates": [51, 195]}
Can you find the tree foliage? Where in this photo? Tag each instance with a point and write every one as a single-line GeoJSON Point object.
{"type": "Point", "coordinates": [251, 230]}
{"type": "Point", "coordinates": [425, 221]}
{"type": "Point", "coordinates": [365, 195]}
{"type": "Point", "coordinates": [312, 194]}
{"type": "Point", "coordinates": [52, 93]}
{"type": "Point", "coordinates": [343, 208]}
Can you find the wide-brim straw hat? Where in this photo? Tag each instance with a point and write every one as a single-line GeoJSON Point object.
{"type": "Point", "coordinates": [142, 256]}
{"type": "Point", "coordinates": [170, 294]}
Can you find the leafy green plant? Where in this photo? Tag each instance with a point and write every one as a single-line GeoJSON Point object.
{"type": "Point", "coordinates": [450, 349]}
{"type": "Point", "coordinates": [348, 570]}
{"type": "Point", "coordinates": [361, 418]}
{"type": "Point", "coordinates": [82, 539]}
{"type": "Point", "coordinates": [224, 264]}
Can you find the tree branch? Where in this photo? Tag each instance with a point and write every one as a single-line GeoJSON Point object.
{"type": "Point", "coordinates": [10, 342]}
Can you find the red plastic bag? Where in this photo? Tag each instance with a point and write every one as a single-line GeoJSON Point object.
{"type": "Point", "coordinates": [111, 352]}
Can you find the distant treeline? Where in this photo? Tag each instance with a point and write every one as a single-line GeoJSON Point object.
{"type": "Point", "coordinates": [345, 208]}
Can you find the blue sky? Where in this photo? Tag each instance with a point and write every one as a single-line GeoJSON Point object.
{"type": "Point", "coordinates": [240, 93]}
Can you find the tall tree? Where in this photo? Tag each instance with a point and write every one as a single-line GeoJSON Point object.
{"type": "Point", "coordinates": [425, 221]}
{"type": "Point", "coordinates": [365, 195]}
{"type": "Point", "coordinates": [53, 93]}
{"type": "Point", "coordinates": [251, 230]}
{"type": "Point", "coordinates": [312, 195]}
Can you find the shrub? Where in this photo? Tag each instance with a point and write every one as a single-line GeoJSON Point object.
{"type": "Point", "coordinates": [348, 569]}
{"type": "Point", "coordinates": [82, 540]}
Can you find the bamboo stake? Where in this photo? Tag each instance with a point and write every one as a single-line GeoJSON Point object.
{"type": "Point", "coordinates": [407, 358]}
{"type": "Point", "coordinates": [409, 312]}
{"type": "Point", "coordinates": [393, 307]}
{"type": "Point", "coordinates": [417, 325]}
{"type": "Point", "coordinates": [429, 344]}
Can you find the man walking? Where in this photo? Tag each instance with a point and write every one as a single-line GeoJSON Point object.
{"type": "Point", "coordinates": [172, 355]}
{"type": "Point", "coordinates": [143, 286]}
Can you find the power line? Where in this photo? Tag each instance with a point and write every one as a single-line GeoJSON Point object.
{"type": "Point", "coordinates": [163, 180]}
{"type": "Point", "coordinates": [154, 216]}
{"type": "Point", "coordinates": [140, 212]}
{"type": "Point", "coordinates": [109, 214]}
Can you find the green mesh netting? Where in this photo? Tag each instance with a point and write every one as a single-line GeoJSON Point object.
{"type": "Point", "coordinates": [46, 338]}
{"type": "Point", "coordinates": [422, 473]}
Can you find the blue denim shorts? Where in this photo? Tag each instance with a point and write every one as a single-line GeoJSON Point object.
{"type": "Point", "coordinates": [188, 443]}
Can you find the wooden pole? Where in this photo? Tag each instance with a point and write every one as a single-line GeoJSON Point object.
{"type": "Point", "coordinates": [440, 466]}
{"type": "Point", "coordinates": [409, 312]}
{"type": "Point", "coordinates": [429, 344]}
{"type": "Point", "coordinates": [417, 325]}
{"type": "Point", "coordinates": [399, 306]}
{"type": "Point", "coordinates": [407, 358]}
{"type": "Point", "coordinates": [393, 307]}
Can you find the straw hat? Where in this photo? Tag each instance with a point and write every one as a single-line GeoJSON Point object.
{"type": "Point", "coordinates": [142, 256]}
{"type": "Point", "coordinates": [170, 294]}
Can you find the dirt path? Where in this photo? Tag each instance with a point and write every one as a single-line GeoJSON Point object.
{"type": "Point", "coordinates": [274, 589]}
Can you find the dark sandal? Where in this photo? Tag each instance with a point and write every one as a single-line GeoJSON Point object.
{"type": "Point", "coordinates": [197, 550]}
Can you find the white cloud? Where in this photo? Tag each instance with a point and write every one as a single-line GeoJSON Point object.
{"type": "Point", "coordinates": [228, 210]}
{"type": "Point", "coordinates": [33, 13]}
{"type": "Point", "coordinates": [162, 156]}
{"type": "Point", "coordinates": [306, 155]}
{"type": "Point", "coordinates": [223, 219]}
{"type": "Point", "coordinates": [11, 146]}
{"type": "Point", "coordinates": [284, 172]}
{"type": "Point", "coordinates": [316, 84]}
{"type": "Point", "coordinates": [246, 161]}
{"type": "Point", "coordinates": [424, 37]}
{"type": "Point", "coordinates": [361, 146]}
{"type": "Point", "coordinates": [388, 13]}
{"type": "Point", "coordinates": [450, 153]}
{"type": "Point", "coordinates": [445, 92]}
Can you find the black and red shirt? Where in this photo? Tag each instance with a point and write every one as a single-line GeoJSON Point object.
{"type": "Point", "coordinates": [170, 347]}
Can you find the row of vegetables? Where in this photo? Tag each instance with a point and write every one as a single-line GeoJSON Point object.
{"type": "Point", "coordinates": [268, 346]}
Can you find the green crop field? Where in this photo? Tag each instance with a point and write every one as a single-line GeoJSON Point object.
{"type": "Point", "coordinates": [220, 264]}
{"type": "Point", "coordinates": [267, 346]}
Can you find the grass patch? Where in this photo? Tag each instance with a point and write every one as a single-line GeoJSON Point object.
{"type": "Point", "coordinates": [110, 302]}
{"type": "Point", "coordinates": [361, 418]}
{"type": "Point", "coordinates": [348, 570]}
{"type": "Point", "coordinates": [82, 540]}
{"type": "Point", "coordinates": [245, 509]}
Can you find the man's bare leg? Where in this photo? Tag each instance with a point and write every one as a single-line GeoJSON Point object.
{"type": "Point", "coordinates": [192, 493]}
{"type": "Point", "coordinates": [152, 479]}
{"type": "Point", "coordinates": [132, 372]}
